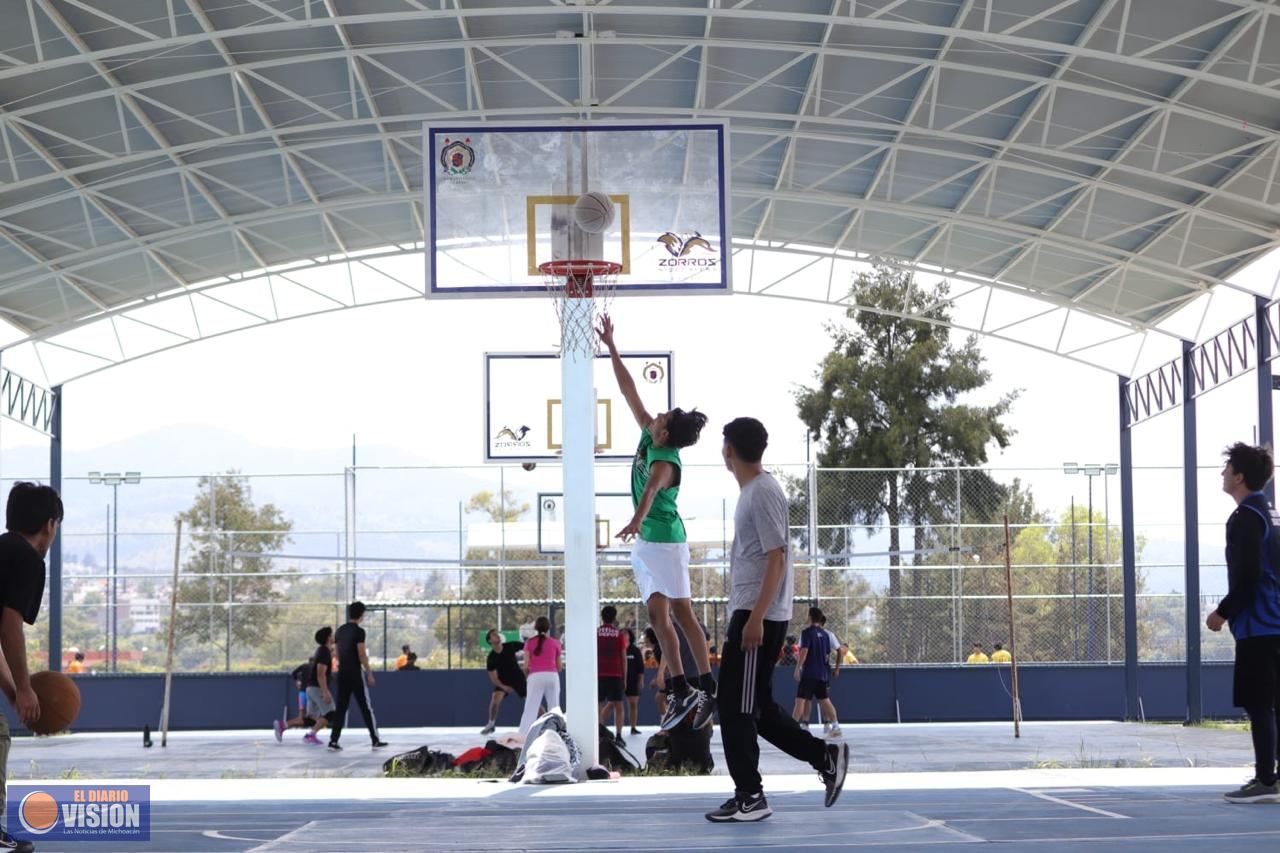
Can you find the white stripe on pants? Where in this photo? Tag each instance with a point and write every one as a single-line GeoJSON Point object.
{"type": "Point", "coordinates": [543, 687]}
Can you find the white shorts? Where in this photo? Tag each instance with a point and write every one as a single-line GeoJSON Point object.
{"type": "Point", "coordinates": [661, 567]}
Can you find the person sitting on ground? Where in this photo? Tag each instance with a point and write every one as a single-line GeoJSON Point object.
{"type": "Point", "coordinates": [977, 655]}
{"type": "Point", "coordinates": [1000, 655]}
{"type": "Point", "coordinates": [402, 662]}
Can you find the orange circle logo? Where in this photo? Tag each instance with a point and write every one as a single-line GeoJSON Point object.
{"type": "Point", "coordinates": [38, 812]}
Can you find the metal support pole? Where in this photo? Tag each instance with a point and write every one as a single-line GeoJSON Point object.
{"type": "Point", "coordinates": [1128, 558]}
{"type": "Point", "coordinates": [115, 569]}
{"type": "Point", "coordinates": [1088, 604]}
{"type": "Point", "coordinates": [813, 533]}
{"type": "Point", "coordinates": [1191, 521]}
{"type": "Point", "coordinates": [1075, 614]}
{"type": "Point", "coordinates": [1266, 425]}
{"type": "Point", "coordinates": [55, 550]}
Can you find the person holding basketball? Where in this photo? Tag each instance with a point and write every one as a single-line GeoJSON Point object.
{"type": "Point", "coordinates": [31, 518]}
{"type": "Point", "coordinates": [660, 556]}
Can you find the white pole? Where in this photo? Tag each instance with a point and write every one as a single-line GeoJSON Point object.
{"type": "Point", "coordinates": [581, 590]}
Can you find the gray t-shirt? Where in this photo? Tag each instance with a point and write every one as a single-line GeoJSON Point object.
{"type": "Point", "coordinates": [760, 526]}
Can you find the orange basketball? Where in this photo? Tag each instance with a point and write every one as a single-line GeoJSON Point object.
{"type": "Point", "coordinates": [59, 702]}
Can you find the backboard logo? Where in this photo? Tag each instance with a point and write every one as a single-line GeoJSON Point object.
{"type": "Point", "coordinates": [508, 437]}
{"type": "Point", "coordinates": [457, 157]}
{"type": "Point", "coordinates": [682, 249]}
{"type": "Point", "coordinates": [653, 372]}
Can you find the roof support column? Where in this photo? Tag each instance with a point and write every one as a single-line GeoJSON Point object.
{"type": "Point", "coordinates": [1266, 425]}
{"type": "Point", "coordinates": [1191, 522]}
{"type": "Point", "coordinates": [1128, 557]}
{"type": "Point", "coordinates": [55, 550]}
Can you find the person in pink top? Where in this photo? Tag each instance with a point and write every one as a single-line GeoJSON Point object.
{"type": "Point", "coordinates": [542, 663]}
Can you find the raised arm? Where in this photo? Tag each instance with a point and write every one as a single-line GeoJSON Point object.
{"type": "Point", "coordinates": [626, 384]}
{"type": "Point", "coordinates": [661, 475]}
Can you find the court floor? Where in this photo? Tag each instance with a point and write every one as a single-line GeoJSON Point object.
{"type": "Point", "coordinates": [1095, 787]}
{"type": "Point", "coordinates": [1023, 811]}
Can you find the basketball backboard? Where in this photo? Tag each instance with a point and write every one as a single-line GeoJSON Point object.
{"type": "Point", "coordinates": [613, 510]}
{"type": "Point", "coordinates": [522, 404]}
{"type": "Point", "coordinates": [500, 202]}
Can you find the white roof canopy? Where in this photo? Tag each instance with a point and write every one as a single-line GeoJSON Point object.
{"type": "Point", "coordinates": [1113, 159]}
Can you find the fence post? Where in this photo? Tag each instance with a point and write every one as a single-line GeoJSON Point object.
{"type": "Point", "coordinates": [812, 478]}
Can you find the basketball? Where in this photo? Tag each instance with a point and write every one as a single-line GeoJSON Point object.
{"type": "Point", "coordinates": [593, 212]}
{"type": "Point", "coordinates": [59, 702]}
{"type": "Point", "coordinates": [529, 466]}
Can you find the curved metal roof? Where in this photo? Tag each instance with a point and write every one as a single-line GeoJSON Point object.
{"type": "Point", "coordinates": [1114, 159]}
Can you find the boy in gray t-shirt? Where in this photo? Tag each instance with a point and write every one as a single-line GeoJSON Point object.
{"type": "Point", "coordinates": [760, 612]}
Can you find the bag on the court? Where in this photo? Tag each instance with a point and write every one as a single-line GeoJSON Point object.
{"type": "Point", "coordinates": [502, 759]}
{"type": "Point", "coordinates": [472, 760]}
{"type": "Point", "coordinates": [614, 755]}
{"type": "Point", "coordinates": [554, 721]}
{"type": "Point", "coordinates": [548, 760]}
{"type": "Point", "coordinates": [682, 748]}
{"type": "Point", "coordinates": [423, 761]}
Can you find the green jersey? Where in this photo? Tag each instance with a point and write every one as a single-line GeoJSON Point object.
{"type": "Point", "coordinates": [663, 523]}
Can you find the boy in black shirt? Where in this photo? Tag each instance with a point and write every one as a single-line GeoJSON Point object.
{"type": "Point", "coordinates": [352, 663]}
{"type": "Point", "coordinates": [32, 518]}
{"type": "Point", "coordinates": [319, 700]}
{"type": "Point", "coordinates": [504, 673]}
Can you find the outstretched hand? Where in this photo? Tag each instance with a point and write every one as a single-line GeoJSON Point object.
{"type": "Point", "coordinates": [605, 330]}
{"type": "Point", "coordinates": [631, 531]}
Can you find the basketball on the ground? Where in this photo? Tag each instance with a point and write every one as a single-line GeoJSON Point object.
{"type": "Point", "coordinates": [529, 466]}
{"type": "Point", "coordinates": [593, 212]}
{"type": "Point", "coordinates": [59, 702]}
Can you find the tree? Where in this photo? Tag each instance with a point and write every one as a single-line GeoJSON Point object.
{"type": "Point", "coordinates": [502, 508]}
{"type": "Point", "coordinates": [228, 535]}
{"type": "Point", "coordinates": [887, 399]}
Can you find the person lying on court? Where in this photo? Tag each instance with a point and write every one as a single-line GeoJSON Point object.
{"type": "Point", "coordinates": [660, 556]}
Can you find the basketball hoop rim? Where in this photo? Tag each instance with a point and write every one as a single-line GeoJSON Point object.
{"type": "Point", "coordinates": [579, 268]}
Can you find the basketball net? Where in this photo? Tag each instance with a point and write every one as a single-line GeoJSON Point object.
{"type": "Point", "coordinates": [580, 290]}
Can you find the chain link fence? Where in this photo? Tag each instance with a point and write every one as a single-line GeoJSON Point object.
{"type": "Point", "coordinates": [908, 565]}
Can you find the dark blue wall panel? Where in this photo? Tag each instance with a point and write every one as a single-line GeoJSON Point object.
{"type": "Point", "coordinates": [862, 694]}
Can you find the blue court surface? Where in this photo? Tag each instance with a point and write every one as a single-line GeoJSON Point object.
{"type": "Point", "coordinates": [1165, 809]}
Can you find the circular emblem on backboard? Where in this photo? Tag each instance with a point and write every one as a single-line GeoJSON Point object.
{"type": "Point", "coordinates": [457, 157]}
{"type": "Point", "coordinates": [653, 372]}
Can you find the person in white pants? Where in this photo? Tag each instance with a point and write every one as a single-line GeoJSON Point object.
{"type": "Point", "coordinates": [542, 657]}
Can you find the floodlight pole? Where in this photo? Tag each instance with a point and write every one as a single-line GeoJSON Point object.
{"type": "Point", "coordinates": [1191, 539]}
{"type": "Point", "coordinates": [1128, 546]}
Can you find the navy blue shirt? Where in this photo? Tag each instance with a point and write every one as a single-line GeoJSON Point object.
{"type": "Point", "coordinates": [817, 659]}
{"type": "Point", "coordinates": [1252, 603]}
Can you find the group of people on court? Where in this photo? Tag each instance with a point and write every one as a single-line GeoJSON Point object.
{"type": "Point", "coordinates": [339, 665]}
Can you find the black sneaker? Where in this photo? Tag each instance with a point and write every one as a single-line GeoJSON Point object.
{"type": "Point", "coordinates": [679, 707]}
{"type": "Point", "coordinates": [333, 747]}
{"type": "Point", "coordinates": [741, 810]}
{"type": "Point", "coordinates": [634, 730]}
{"type": "Point", "coordinates": [619, 741]}
{"type": "Point", "coordinates": [1254, 792]}
{"type": "Point", "coordinates": [832, 775]}
{"type": "Point", "coordinates": [8, 842]}
{"type": "Point", "coordinates": [706, 709]}
{"type": "Point", "coordinates": [379, 744]}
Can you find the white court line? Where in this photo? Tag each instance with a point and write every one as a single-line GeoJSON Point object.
{"type": "Point", "coordinates": [1052, 799]}
{"type": "Point", "coordinates": [427, 789]}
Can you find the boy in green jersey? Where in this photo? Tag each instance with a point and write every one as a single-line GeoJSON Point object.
{"type": "Point", "coordinates": [660, 556]}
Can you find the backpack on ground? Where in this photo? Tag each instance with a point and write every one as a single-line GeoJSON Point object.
{"type": "Point", "coordinates": [423, 761]}
{"type": "Point", "coordinates": [547, 761]}
{"type": "Point", "coordinates": [614, 755]}
{"type": "Point", "coordinates": [551, 721]}
{"type": "Point", "coordinates": [681, 748]}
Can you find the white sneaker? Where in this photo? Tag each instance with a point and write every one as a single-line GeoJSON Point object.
{"type": "Point", "coordinates": [835, 732]}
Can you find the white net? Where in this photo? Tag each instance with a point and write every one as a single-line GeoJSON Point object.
{"type": "Point", "coordinates": [581, 291]}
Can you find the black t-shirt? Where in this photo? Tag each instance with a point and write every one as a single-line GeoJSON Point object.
{"type": "Point", "coordinates": [349, 637]}
{"type": "Point", "coordinates": [505, 664]}
{"type": "Point", "coordinates": [635, 665]}
{"type": "Point", "coordinates": [322, 657]}
{"type": "Point", "coordinates": [21, 577]}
